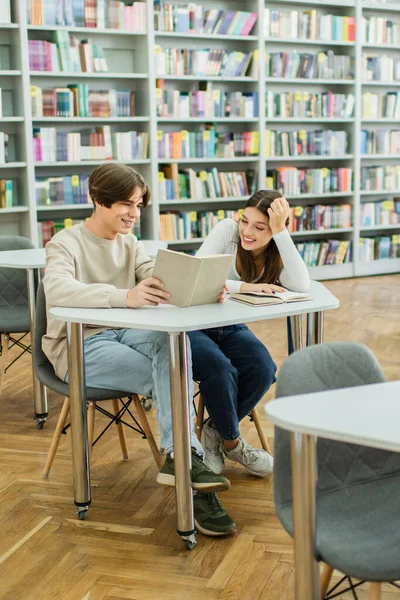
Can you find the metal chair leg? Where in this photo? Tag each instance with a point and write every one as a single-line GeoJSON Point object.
{"type": "Point", "coordinates": [56, 437]}
{"type": "Point", "coordinates": [326, 577]}
{"type": "Point", "coordinates": [375, 591]}
{"type": "Point", "coordinates": [147, 430]}
{"type": "Point", "coordinates": [198, 426]}
{"type": "Point", "coordinates": [121, 433]}
{"type": "Point", "coordinates": [5, 342]}
{"type": "Point", "coordinates": [91, 415]}
{"type": "Point", "coordinates": [263, 439]}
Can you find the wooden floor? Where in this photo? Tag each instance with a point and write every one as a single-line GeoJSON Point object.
{"type": "Point", "coordinates": [127, 547]}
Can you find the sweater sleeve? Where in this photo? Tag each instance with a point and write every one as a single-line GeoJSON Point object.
{"type": "Point", "coordinates": [63, 289]}
{"type": "Point", "coordinates": [144, 264]}
{"type": "Point", "coordinates": [294, 275]}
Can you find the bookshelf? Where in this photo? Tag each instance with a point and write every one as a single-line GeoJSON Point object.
{"type": "Point", "coordinates": [131, 59]}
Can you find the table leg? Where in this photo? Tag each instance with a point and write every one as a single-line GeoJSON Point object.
{"type": "Point", "coordinates": [315, 328]}
{"type": "Point", "coordinates": [304, 516]}
{"type": "Point", "coordinates": [39, 390]}
{"type": "Point", "coordinates": [296, 323]}
{"type": "Point", "coordinates": [79, 430]}
{"type": "Point", "coordinates": [181, 434]}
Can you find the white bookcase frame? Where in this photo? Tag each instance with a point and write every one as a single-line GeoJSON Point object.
{"type": "Point", "coordinates": [23, 219]}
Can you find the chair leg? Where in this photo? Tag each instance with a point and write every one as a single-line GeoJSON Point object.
{"type": "Point", "coordinates": [147, 429]}
{"type": "Point", "coordinates": [260, 431]}
{"type": "Point", "coordinates": [56, 437]}
{"type": "Point", "coordinates": [5, 342]}
{"type": "Point", "coordinates": [375, 591]}
{"type": "Point", "coordinates": [198, 426]}
{"type": "Point", "coordinates": [121, 433]}
{"type": "Point", "coordinates": [326, 577]}
{"type": "Point", "coordinates": [91, 415]}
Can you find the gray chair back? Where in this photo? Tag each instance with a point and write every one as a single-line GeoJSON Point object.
{"type": "Point", "coordinates": [13, 286]}
{"type": "Point", "coordinates": [340, 465]}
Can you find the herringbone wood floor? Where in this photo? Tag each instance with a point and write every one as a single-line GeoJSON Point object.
{"type": "Point", "coordinates": [127, 547]}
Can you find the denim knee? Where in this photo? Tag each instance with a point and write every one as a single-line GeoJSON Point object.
{"type": "Point", "coordinates": [264, 370]}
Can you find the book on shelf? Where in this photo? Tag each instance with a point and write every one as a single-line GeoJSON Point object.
{"type": "Point", "coordinates": [59, 191]}
{"type": "Point", "coordinates": [192, 280]}
{"type": "Point", "coordinates": [308, 105]}
{"type": "Point", "coordinates": [77, 100]}
{"type": "Point", "coordinates": [203, 63]}
{"type": "Point", "coordinates": [265, 299]}
{"type": "Point", "coordinates": [194, 18]}
{"type": "Point", "coordinates": [378, 106]}
{"type": "Point", "coordinates": [379, 141]}
{"type": "Point", "coordinates": [380, 178]}
{"type": "Point", "coordinates": [175, 183]}
{"type": "Point", "coordinates": [4, 139]}
{"type": "Point", "coordinates": [375, 67]}
{"type": "Point", "coordinates": [385, 212]}
{"type": "Point", "coordinates": [293, 181]}
{"type": "Point", "coordinates": [378, 248]}
{"type": "Point", "coordinates": [66, 55]}
{"type": "Point", "coordinates": [308, 25]}
{"type": "Point", "coordinates": [326, 252]}
{"type": "Point", "coordinates": [319, 65]}
{"type": "Point", "coordinates": [193, 224]}
{"type": "Point", "coordinates": [98, 143]}
{"type": "Point", "coordinates": [90, 14]}
{"type": "Point", "coordinates": [319, 217]}
{"type": "Point", "coordinates": [319, 142]}
{"type": "Point", "coordinates": [7, 199]}
{"type": "Point", "coordinates": [207, 144]}
{"type": "Point", "coordinates": [380, 30]}
{"type": "Point", "coordinates": [5, 11]}
{"type": "Point", "coordinates": [208, 101]}
{"type": "Point", "coordinates": [46, 229]}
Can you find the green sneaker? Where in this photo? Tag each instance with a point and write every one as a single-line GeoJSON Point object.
{"type": "Point", "coordinates": [202, 478]}
{"type": "Point", "coordinates": [210, 517]}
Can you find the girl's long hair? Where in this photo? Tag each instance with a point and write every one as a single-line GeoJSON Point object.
{"type": "Point", "coordinates": [273, 265]}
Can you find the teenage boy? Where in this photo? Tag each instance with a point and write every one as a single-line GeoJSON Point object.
{"type": "Point", "coordinates": [100, 264]}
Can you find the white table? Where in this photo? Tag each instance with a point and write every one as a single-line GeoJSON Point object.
{"type": "Point", "coordinates": [34, 260]}
{"type": "Point", "coordinates": [31, 260]}
{"type": "Point", "coordinates": [176, 322]}
{"type": "Point", "coordinates": [368, 415]}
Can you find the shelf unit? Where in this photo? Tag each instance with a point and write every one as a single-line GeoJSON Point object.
{"type": "Point", "coordinates": [23, 219]}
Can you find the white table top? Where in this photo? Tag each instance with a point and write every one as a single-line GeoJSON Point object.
{"type": "Point", "coordinates": [174, 319]}
{"type": "Point", "coordinates": [368, 415]}
{"type": "Point", "coordinates": [32, 258]}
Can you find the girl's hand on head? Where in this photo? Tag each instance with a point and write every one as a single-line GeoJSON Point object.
{"type": "Point", "coordinates": [278, 213]}
{"type": "Point", "coordinates": [267, 288]}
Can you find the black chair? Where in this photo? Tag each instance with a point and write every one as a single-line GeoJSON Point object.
{"type": "Point", "coordinates": [46, 375]}
{"type": "Point", "coordinates": [14, 308]}
{"type": "Point", "coordinates": [358, 504]}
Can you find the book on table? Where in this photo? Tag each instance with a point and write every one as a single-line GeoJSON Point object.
{"type": "Point", "coordinates": [192, 280]}
{"type": "Point", "coordinates": [263, 298]}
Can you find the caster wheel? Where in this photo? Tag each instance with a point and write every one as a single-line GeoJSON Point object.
{"type": "Point", "coordinates": [39, 424]}
{"type": "Point", "coordinates": [82, 514]}
{"type": "Point", "coordinates": [147, 403]}
{"type": "Point", "coordinates": [189, 545]}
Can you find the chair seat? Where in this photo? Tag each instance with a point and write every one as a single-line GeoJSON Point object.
{"type": "Point", "coordinates": [46, 375]}
{"type": "Point", "coordinates": [358, 533]}
{"type": "Point", "coordinates": [14, 319]}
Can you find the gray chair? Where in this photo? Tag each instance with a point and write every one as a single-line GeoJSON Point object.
{"type": "Point", "coordinates": [46, 375]}
{"type": "Point", "coordinates": [14, 311]}
{"type": "Point", "coordinates": [358, 500]}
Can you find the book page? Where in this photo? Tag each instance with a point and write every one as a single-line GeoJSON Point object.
{"type": "Point", "coordinates": [178, 272]}
{"type": "Point", "coordinates": [211, 279]}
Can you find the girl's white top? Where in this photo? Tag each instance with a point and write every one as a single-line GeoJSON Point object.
{"type": "Point", "coordinates": [224, 239]}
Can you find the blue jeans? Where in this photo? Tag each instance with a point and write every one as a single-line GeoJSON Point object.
{"type": "Point", "coordinates": [136, 361]}
{"type": "Point", "coordinates": [234, 370]}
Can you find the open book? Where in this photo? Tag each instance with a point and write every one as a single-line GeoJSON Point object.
{"type": "Point", "coordinates": [192, 280]}
{"type": "Point", "coordinates": [262, 299]}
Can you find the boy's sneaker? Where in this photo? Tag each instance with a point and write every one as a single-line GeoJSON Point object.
{"type": "Point", "coordinates": [210, 517]}
{"type": "Point", "coordinates": [212, 446]}
{"type": "Point", "coordinates": [202, 478]}
{"type": "Point", "coordinates": [256, 461]}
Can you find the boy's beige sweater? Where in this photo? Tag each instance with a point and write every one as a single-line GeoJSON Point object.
{"type": "Point", "coordinates": [83, 270]}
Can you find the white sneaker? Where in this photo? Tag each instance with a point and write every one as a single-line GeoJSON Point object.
{"type": "Point", "coordinates": [256, 461]}
{"type": "Point", "coordinates": [212, 446]}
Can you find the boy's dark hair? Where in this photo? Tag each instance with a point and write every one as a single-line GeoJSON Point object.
{"type": "Point", "coordinates": [112, 182]}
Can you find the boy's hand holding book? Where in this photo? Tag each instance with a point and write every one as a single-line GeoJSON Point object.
{"type": "Point", "coordinates": [148, 292]}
